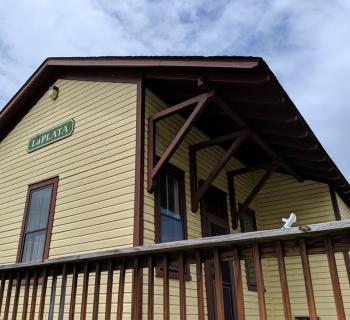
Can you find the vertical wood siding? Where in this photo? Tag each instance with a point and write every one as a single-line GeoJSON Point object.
{"type": "Point", "coordinates": [96, 169]}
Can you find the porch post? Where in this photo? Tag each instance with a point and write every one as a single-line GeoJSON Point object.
{"type": "Point", "coordinates": [308, 281]}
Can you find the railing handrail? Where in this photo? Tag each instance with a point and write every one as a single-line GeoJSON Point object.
{"type": "Point", "coordinates": [318, 229]}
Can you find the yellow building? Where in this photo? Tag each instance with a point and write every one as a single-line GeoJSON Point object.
{"type": "Point", "coordinates": [105, 162]}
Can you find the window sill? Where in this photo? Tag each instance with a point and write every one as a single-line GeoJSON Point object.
{"type": "Point", "coordinates": [252, 288]}
{"type": "Point", "coordinates": [173, 274]}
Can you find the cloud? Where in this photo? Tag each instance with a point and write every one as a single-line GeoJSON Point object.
{"type": "Point", "coordinates": [306, 43]}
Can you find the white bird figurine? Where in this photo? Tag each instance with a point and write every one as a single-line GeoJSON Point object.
{"type": "Point", "coordinates": [289, 221]}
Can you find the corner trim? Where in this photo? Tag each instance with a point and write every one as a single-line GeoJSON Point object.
{"type": "Point", "coordinates": [137, 275]}
{"type": "Point", "coordinates": [139, 164]}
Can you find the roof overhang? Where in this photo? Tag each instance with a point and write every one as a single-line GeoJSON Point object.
{"type": "Point", "coordinates": [246, 83]}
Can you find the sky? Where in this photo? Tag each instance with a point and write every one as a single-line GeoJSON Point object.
{"type": "Point", "coordinates": [305, 43]}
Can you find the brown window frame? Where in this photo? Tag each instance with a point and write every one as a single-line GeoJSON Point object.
{"type": "Point", "coordinates": [251, 286]}
{"type": "Point", "coordinates": [35, 186]}
{"type": "Point", "coordinates": [172, 170]}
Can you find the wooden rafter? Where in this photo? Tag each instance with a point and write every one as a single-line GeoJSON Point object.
{"type": "Point", "coordinates": [198, 104]}
{"type": "Point", "coordinates": [258, 102]}
{"type": "Point", "coordinates": [279, 117]}
{"type": "Point", "coordinates": [319, 174]}
{"type": "Point", "coordinates": [320, 166]}
{"type": "Point", "coordinates": [211, 76]}
{"type": "Point", "coordinates": [259, 114]}
{"type": "Point", "coordinates": [236, 214]}
{"type": "Point", "coordinates": [294, 143]}
{"type": "Point", "coordinates": [197, 194]}
{"type": "Point", "coordinates": [254, 136]}
{"type": "Point", "coordinates": [313, 156]}
{"type": "Point", "coordinates": [282, 130]}
{"type": "Point", "coordinates": [341, 184]}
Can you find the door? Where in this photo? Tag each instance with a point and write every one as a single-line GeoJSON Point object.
{"type": "Point", "coordinates": [215, 223]}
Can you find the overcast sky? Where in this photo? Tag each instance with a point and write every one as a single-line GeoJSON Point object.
{"type": "Point", "coordinates": [306, 44]}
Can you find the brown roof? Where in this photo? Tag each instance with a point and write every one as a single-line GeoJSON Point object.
{"type": "Point", "coordinates": [246, 83]}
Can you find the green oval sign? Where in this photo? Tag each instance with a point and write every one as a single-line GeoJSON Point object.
{"type": "Point", "coordinates": [57, 133]}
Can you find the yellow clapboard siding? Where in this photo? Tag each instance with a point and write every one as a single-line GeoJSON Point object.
{"type": "Point", "coordinates": [96, 168]}
{"type": "Point", "coordinates": [312, 204]}
{"type": "Point", "coordinates": [84, 164]}
{"type": "Point", "coordinates": [94, 210]}
{"type": "Point", "coordinates": [52, 153]}
{"type": "Point", "coordinates": [83, 109]}
{"type": "Point", "coordinates": [58, 249]}
{"type": "Point", "coordinates": [343, 208]}
{"type": "Point", "coordinates": [78, 141]}
{"type": "Point", "coordinates": [104, 224]}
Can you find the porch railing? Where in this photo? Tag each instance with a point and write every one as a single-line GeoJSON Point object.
{"type": "Point", "coordinates": [25, 294]}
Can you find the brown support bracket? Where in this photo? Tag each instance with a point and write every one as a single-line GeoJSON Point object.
{"type": "Point", "coordinates": [196, 195]}
{"type": "Point", "coordinates": [260, 166]}
{"type": "Point", "coordinates": [193, 162]}
{"type": "Point", "coordinates": [215, 141]}
{"type": "Point", "coordinates": [199, 102]}
{"type": "Point", "coordinates": [237, 213]}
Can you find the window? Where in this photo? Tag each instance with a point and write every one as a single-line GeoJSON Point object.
{"type": "Point", "coordinates": [170, 206]}
{"type": "Point", "coordinates": [170, 212]}
{"type": "Point", "coordinates": [171, 225]}
{"type": "Point", "coordinates": [37, 223]}
{"type": "Point", "coordinates": [248, 224]}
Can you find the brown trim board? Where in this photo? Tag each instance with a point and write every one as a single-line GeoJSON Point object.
{"type": "Point", "coordinates": [239, 70]}
{"type": "Point", "coordinates": [338, 218]}
{"type": "Point", "coordinates": [139, 195]}
{"type": "Point", "coordinates": [139, 164]}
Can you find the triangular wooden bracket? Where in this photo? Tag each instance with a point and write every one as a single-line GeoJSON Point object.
{"type": "Point", "coordinates": [236, 214]}
{"type": "Point", "coordinates": [196, 194]}
{"type": "Point", "coordinates": [238, 120]}
{"type": "Point", "coordinates": [198, 104]}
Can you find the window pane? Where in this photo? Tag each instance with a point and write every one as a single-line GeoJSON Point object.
{"type": "Point", "coordinates": [34, 246]}
{"type": "Point", "coordinates": [39, 209]}
{"type": "Point", "coordinates": [169, 196]}
{"type": "Point", "coordinates": [248, 222]}
{"type": "Point", "coordinates": [163, 191]}
{"type": "Point", "coordinates": [170, 229]}
{"type": "Point", "coordinates": [250, 272]}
